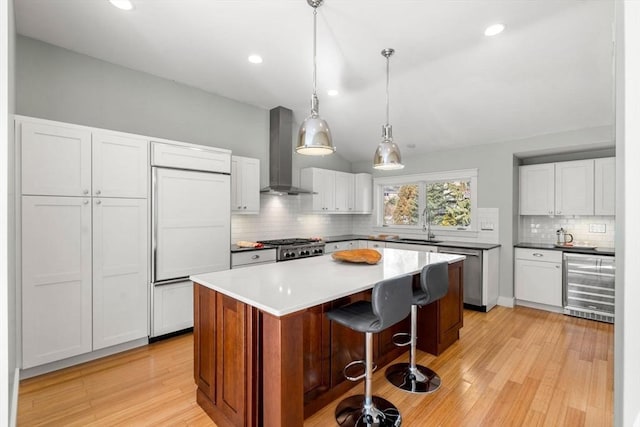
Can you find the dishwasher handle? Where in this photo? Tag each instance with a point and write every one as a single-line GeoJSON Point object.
{"type": "Point", "coordinates": [460, 252]}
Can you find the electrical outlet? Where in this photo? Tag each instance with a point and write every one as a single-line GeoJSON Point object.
{"type": "Point", "coordinates": [486, 226]}
{"type": "Point", "coordinates": [597, 228]}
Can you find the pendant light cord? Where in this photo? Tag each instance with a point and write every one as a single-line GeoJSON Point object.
{"type": "Point", "coordinates": [387, 89]}
{"type": "Point", "coordinates": [315, 13]}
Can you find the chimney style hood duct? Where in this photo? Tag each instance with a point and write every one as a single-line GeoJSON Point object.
{"type": "Point", "coordinates": [281, 154]}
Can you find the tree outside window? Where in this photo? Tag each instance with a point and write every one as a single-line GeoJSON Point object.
{"type": "Point", "coordinates": [401, 204]}
{"type": "Point", "coordinates": [449, 203]}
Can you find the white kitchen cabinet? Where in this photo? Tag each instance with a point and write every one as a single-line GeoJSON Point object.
{"type": "Point", "coordinates": [84, 239]}
{"type": "Point", "coordinates": [574, 188]}
{"type": "Point", "coordinates": [245, 185]}
{"type": "Point", "coordinates": [538, 278]}
{"type": "Point", "coordinates": [56, 278]}
{"type": "Point", "coordinates": [378, 246]}
{"type": "Point", "coordinates": [605, 186]}
{"type": "Point", "coordinates": [56, 160]}
{"type": "Point", "coordinates": [120, 166]}
{"type": "Point", "coordinates": [563, 188]}
{"type": "Point", "coordinates": [250, 258]}
{"type": "Point", "coordinates": [74, 161]}
{"type": "Point", "coordinates": [340, 246]}
{"type": "Point", "coordinates": [411, 247]}
{"type": "Point", "coordinates": [537, 189]}
{"type": "Point", "coordinates": [334, 190]}
{"type": "Point", "coordinates": [363, 193]}
{"type": "Point", "coordinates": [173, 308]}
{"type": "Point", "coordinates": [120, 282]}
{"type": "Point", "coordinates": [344, 192]}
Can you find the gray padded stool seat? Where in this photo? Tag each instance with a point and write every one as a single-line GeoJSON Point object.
{"type": "Point", "coordinates": [434, 284]}
{"type": "Point", "coordinates": [390, 303]}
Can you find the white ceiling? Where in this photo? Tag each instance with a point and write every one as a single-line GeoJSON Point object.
{"type": "Point", "coordinates": [551, 69]}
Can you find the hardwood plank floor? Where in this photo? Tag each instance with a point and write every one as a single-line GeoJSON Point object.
{"type": "Point", "coordinates": [519, 367]}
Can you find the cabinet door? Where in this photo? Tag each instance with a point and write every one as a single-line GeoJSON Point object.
{"type": "Point", "coordinates": [327, 179]}
{"type": "Point", "coordinates": [339, 246]}
{"type": "Point", "coordinates": [172, 308]}
{"type": "Point", "coordinates": [539, 282]}
{"type": "Point", "coordinates": [56, 161]}
{"type": "Point", "coordinates": [574, 188]}
{"type": "Point", "coordinates": [537, 187]}
{"type": "Point", "coordinates": [605, 186]}
{"type": "Point", "coordinates": [56, 278]}
{"type": "Point", "coordinates": [120, 283]}
{"type": "Point", "coordinates": [245, 185]}
{"type": "Point", "coordinates": [363, 193]}
{"type": "Point", "coordinates": [120, 166]}
{"type": "Point", "coordinates": [344, 192]}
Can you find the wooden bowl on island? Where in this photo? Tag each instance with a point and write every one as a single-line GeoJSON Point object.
{"type": "Point", "coordinates": [363, 256]}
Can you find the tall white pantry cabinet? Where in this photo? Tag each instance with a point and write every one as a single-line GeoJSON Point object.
{"type": "Point", "coordinates": [84, 239]}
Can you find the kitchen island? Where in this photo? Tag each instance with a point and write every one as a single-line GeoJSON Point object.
{"type": "Point", "coordinates": [265, 353]}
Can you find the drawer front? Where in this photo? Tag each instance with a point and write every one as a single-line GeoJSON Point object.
{"type": "Point", "coordinates": [339, 246]}
{"type": "Point", "coordinates": [252, 257]}
{"type": "Point", "coordinates": [196, 158]}
{"type": "Point", "coordinates": [538, 255]}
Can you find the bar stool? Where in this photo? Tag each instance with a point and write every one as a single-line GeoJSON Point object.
{"type": "Point", "coordinates": [390, 302]}
{"type": "Point", "coordinates": [434, 284]}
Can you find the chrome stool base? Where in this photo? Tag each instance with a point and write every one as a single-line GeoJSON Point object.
{"type": "Point", "coordinates": [351, 412]}
{"type": "Point", "coordinates": [422, 380]}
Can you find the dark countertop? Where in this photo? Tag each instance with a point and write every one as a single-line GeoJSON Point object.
{"type": "Point", "coordinates": [576, 250]}
{"type": "Point", "coordinates": [235, 248]}
{"type": "Point", "coordinates": [450, 244]}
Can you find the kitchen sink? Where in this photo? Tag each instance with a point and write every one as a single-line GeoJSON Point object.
{"type": "Point", "coordinates": [420, 240]}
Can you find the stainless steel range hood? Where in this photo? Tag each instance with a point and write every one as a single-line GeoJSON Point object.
{"type": "Point", "coordinates": [281, 154]}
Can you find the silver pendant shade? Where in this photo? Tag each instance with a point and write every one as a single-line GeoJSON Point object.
{"type": "Point", "coordinates": [314, 136]}
{"type": "Point", "coordinates": [387, 156]}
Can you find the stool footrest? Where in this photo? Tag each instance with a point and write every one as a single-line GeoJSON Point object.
{"type": "Point", "coordinates": [401, 335]}
{"type": "Point", "coordinates": [357, 363]}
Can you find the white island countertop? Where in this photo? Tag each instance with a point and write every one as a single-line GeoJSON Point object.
{"type": "Point", "coordinates": [286, 287]}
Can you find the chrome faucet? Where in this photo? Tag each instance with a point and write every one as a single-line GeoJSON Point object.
{"type": "Point", "coordinates": [426, 222]}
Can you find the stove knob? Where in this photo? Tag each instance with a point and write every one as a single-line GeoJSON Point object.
{"type": "Point", "coordinates": [293, 254]}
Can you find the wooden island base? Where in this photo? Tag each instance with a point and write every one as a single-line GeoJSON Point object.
{"type": "Point", "coordinates": [256, 369]}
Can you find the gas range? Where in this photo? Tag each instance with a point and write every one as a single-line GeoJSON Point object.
{"type": "Point", "coordinates": [289, 249]}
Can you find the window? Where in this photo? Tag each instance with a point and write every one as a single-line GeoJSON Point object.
{"type": "Point", "coordinates": [449, 196]}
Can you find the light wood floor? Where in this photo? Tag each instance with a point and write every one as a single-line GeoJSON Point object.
{"type": "Point", "coordinates": [516, 367]}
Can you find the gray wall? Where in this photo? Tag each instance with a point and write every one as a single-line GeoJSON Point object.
{"type": "Point", "coordinates": [497, 177]}
{"type": "Point", "coordinates": [58, 84]}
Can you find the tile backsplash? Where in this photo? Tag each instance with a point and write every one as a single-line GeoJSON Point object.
{"type": "Point", "coordinates": [284, 217]}
{"type": "Point", "coordinates": [586, 230]}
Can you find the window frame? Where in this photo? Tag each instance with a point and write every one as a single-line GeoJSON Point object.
{"type": "Point", "coordinates": [422, 180]}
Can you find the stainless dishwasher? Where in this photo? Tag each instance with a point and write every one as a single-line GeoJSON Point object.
{"type": "Point", "coordinates": [589, 286]}
{"type": "Point", "coordinates": [472, 276]}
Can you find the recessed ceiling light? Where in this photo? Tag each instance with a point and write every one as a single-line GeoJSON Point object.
{"type": "Point", "coordinates": [122, 4]}
{"type": "Point", "coordinates": [255, 59]}
{"type": "Point", "coordinates": [332, 92]}
{"type": "Point", "coordinates": [411, 145]}
{"type": "Point", "coordinates": [494, 29]}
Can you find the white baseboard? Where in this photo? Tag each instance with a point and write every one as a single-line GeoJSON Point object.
{"type": "Point", "coordinates": [538, 306]}
{"type": "Point", "coordinates": [506, 301]}
{"type": "Point", "coordinates": [76, 360]}
{"type": "Point", "coordinates": [13, 415]}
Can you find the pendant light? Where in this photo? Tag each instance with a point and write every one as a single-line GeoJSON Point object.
{"type": "Point", "coordinates": [387, 155]}
{"type": "Point", "coordinates": [314, 136]}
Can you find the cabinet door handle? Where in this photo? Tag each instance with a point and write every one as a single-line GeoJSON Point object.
{"type": "Point", "coordinates": [550, 212]}
{"type": "Point", "coordinates": [98, 202]}
{"type": "Point", "coordinates": [244, 207]}
{"type": "Point", "coordinates": [255, 257]}
{"type": "Point", "coordinates": [85, 202]}
{"type": "Point", "coordinates": [85, 191]}
{"type": "Point", "coordinates": [557, 266]}
{"type": "Point", "coordinates": [538, 254]}
{"type": "Point", "coordinates": [98, 191]}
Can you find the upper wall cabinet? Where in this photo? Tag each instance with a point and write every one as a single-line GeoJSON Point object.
{"type": "Point", "coordinates": [245, 185]}
{"type": "Point", "coordinates": [363, 193]}
{"type": "Point", "coordinates": [605, 186]}
{"type": "Point", "coordinates": [337, 192]}
{"type": "Point", "coordinates": [582, 187]}
{"type": "Point", "coordinates": [73, 161]}
{"type": "Point", "coordinates": [537, 189]}
{"type": "Point", "coordinates": [574, 188]}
